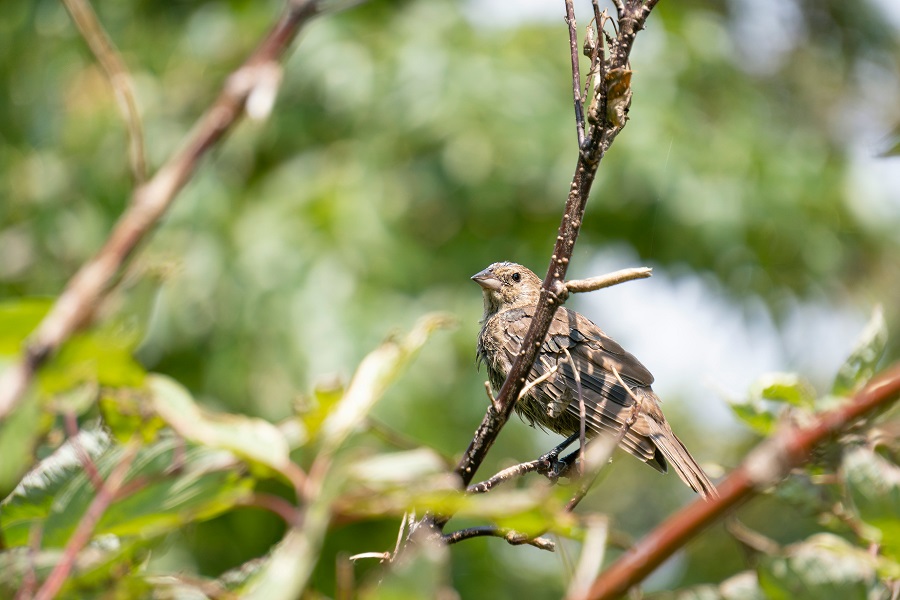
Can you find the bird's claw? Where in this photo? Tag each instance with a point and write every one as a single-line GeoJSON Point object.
{"type": "Point", "coordinates": [551, 467]}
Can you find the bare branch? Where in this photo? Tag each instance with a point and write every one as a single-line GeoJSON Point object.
{"type": "Point", "coordinates": [576, 75]}
{"type": "Point", "coordinates": [514, 538]}
{"type": "Point", "coordinates": [88, 522]}
{"type": "Point", "coordinates": [111, 61]}
{"type": "Point", "coordinates": [592, 284]}
{"type": "Point", "coordinates": [504, 475]}
{"type": "Point", "coordinates": [78, 302]}
{"type": "Point", "coordinates": [765, 466]}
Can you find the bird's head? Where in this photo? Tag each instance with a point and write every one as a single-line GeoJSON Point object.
{"type": "Point", "coordinates": [507, 285]}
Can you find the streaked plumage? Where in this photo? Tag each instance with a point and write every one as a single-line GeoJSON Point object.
{"type": "Point", "coordinates": [511, 294]}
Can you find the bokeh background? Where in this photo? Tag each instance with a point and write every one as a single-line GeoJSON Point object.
{"type": "Point", "coordinates": [415, 142]}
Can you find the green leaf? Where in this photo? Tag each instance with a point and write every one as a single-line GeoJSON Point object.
{"type": "Point", "coordinates": [874, 487]}
{"type": "Point", "coordinates": [860, 365]}
{"type": "Point", "coordinates": [786, 387]}
{"type": "Point", "coordinates": [18, 318]}
{"type": "Point", "coordinates": [325, 397]}
{"type": "Point", "coordinates": [203, 484]}
{"type": "Point", "coordinates": [20, 433]}
{"type": "Point", "coordinates": [248, 437]}
{"type": "Point", "coordinates": [754, 415]}
{"type": "Point", "coordinates": [101, 567]}
{"type": "Point", "coordinates": [128, 412]}
{"type": "Point", "coordinates": [824, 567]}
{"type": "Point", "coordinates": [373, 376]}
{"type": "Point", "coordinates": [285, 573]}
{"type": "Point", "coordinates": [101, 356]}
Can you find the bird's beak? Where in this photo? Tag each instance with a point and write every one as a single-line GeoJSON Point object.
{"type": "Point", "coordinates": [486, 280]}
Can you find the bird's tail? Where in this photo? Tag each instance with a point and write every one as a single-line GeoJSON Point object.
{"type": "Point", "coordinates": [681, 460]}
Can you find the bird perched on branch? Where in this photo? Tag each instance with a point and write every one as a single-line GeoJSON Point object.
{"type": "Point", "coordinates": [575, 344]}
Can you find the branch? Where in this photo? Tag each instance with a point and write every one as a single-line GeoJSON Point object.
{"type": "Point", "coordinates": [78, 302]}
{"type": "Point", "coordinates": [111, 61]}
{"type": "Point", "coordinates": [576, 76]}
{"type": "Point", "coordinates": [85, 529]}
{"type": "Point", "coordinates": [592, 284]}
{"type": "Point", "coordinates": [514, 538]}
{"type": "Point", "coordinates": [504, 475]}
{"type": "Point", "coordinates": [553, 289]}
{"type": "Point", "coordinates": [765, 466]}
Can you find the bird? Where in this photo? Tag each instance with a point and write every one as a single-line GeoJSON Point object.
{"type": "Point", "coordinates": [574, 343]}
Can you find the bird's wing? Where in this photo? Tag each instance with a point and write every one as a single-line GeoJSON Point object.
{"type": "Point", "coordinates": [607, 404]}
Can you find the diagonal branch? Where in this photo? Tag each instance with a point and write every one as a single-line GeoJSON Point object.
{"type": "Point", "coordinates": [111, 61]}
{"type": "Point", "coordinates": [765, 466]}
{"type": "Point", "coordinates": [82, 535]}
{"type": "Point", "coordinates": [149, 202]}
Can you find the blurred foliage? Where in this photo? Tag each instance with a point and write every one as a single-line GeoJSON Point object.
{"type": "Point", "coordinates": [413, 143]}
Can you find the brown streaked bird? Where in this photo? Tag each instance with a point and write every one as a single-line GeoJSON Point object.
{"type": "Point", "coordinates": [511, 294]}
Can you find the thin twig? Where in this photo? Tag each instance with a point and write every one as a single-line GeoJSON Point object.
{"type": "Point", "coordinates": [491, 397]}
{"type": "Point", "coordinates": [764, 467]}
{"type": "Point", "coordinates": [592, 284]}
{"type": "Point", "coordinates": [576, 76]}
{"type": "Point", "coordinates": [514, 538]}
{"type": "Point", "coordinates": [71, 425]}
{"type": "Point", "coordinates": [119, 79]}
{"type": "Point", "coordinates": [537, 381]}
{"type": "Point", "coordinates": [582, 413]}
{"type": "Point", "coordinates": [85, 529]}
{"type": "Point", "coordinates": [76, 305]}
{"type": "Point", "coordinates": [504, 475]}
{"type": "Point", "coordinates": [275, 504]}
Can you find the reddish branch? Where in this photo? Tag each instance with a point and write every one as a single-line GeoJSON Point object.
{"type": "Point", "coordinates": [86, 525]}
{"type": "Point", "coordinates": [765, 466]}
{"type": "Point", "coordinates": [76, 306]}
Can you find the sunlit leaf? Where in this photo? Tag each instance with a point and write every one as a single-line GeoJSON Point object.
{"type": "Point", "coordinates": [874, 487]}
{"type": "Point", "coordinates": [324, 398]}
{"type": "Point", "coordinates": [373, 376]}
{"type": "Point", "coordinates": [18, 319]}
{"type": "Point", "coordinates": [285, 572]}
{"type": "Point", "coordinates": [398, 467]}
{"type": "Point", "coordinates": [20, 433]}
{"type": "Point", "coordinates": [824, 567]}
{"type": "Point", "coordinates": [31, 502]}
{"type": "Point", "coordinates": [860, 365]}
{"type": "Point", "coordinates": [785, 387]}
{"type": "Point", "coordinates": [102, 356]}
{"type": "Point", "coordinates": [754, 415]}
{"type": "Point", "coordinates": [250, 438]}
{"type": "Point", "coordinates": [743, 586]}
{"type": "Point", "coordinates": [127, 412]}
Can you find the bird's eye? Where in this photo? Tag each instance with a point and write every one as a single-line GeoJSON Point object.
{"type": "Point", "coordinates": [516, 276]}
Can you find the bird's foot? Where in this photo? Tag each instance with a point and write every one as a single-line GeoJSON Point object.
{"type": "Point", "coordinates": [551, 467]}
